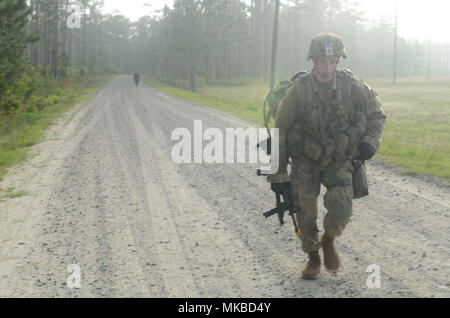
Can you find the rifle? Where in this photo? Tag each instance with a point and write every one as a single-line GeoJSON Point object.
{"type": "Point", "coordinates": [282, 207]}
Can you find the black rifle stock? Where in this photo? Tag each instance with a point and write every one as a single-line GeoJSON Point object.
{"type": "Point", "coordinates": [282, 207]}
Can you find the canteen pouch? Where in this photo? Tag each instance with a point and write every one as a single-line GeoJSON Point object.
{"type": "Point", "coordinates": [360, 185]}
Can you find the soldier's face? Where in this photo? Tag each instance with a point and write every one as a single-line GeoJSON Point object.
{"type": "Point", "coordinates": [324, 68]}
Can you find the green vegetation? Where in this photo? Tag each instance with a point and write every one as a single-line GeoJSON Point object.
{"type": "Point", "coordinates": [26, 124]}
{"type": "Point", "coordinates": [417, 132]}
{"type": "Point", "coordinates": [243, 101]}
{"type": "Point", "coordinates": [39, 76]}
{"type": "Point", "coordinates": [10, 193]}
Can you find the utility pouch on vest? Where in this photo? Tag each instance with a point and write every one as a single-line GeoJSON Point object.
{"type": "Point", "coordinates": [312, 149]}
{"type": "Point", "coordinates": [360, 185]}
{"type": "Point", "coordinates": [295, 144]}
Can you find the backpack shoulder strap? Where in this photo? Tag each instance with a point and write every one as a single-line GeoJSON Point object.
{"type": "Point", "coordinates": [298, 75]}
{"type": "Point", "coordinates": [303, 88]}
{"type": "Point", "coordinates": [345, 78]}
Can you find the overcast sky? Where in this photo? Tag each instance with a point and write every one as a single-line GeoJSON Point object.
{"type": "Point", "coordinates": [416, 18]}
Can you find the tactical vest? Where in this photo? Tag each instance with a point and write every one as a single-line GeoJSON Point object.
{"type": "Point", "coordinates": [323, 129]}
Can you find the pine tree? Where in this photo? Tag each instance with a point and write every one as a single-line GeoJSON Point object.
{"type": "Point", "coordinates": [14, 16]}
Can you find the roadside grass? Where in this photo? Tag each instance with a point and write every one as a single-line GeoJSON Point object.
{"type": "Point", "coordinates": [243, 101]}
{"type": "Point", "coordinates": [10, 193]}
{"type": "Point", "coordinates": [417, 131]}
{"type": "Point", "coordinates": [19, 132]}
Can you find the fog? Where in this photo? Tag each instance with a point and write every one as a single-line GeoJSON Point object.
{"type": "Point", "coordinates": [186, 42]}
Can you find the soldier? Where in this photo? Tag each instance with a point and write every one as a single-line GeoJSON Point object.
{"type": "Point", "coordinates": [326, 118]}
{"type": "Point", "coordinates": [136, 78]}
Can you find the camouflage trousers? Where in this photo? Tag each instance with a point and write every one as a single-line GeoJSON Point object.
{"type": "Point", "coordinates": [306, 177]}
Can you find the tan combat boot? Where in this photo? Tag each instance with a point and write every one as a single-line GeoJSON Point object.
{"type": "Point", "coordinates": [330, 255]}
{"type": "Point", "coordinates": [312, 269]}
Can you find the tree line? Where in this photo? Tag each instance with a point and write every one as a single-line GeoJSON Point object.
{"type": "Point", "coordinates": [223, 40]}
{"type": "Point", "coordinates": [196, 41]}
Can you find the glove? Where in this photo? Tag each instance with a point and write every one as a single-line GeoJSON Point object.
{"type": "Point", "coordinates": [366, 151]}
{"type": "Point", "coordinates": [280, 187]}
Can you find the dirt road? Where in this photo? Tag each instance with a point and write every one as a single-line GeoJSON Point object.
{"type": "Point", "coordinates": [104, 194]}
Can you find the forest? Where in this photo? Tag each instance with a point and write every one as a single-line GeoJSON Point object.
{"type": "Point", "coordinates": [193, 43]}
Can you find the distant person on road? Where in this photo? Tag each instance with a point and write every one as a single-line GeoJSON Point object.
{"type": "Point", "coordinates": [137, 78]}
{"type": "Point", "coordinates": [327, 120]}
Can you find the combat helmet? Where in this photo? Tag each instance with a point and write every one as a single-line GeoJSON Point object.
{"type": "Point", "coordinates": [326, 44]}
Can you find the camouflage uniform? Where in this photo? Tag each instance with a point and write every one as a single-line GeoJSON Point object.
{"type": "Point", "coordinates": [320, 127]}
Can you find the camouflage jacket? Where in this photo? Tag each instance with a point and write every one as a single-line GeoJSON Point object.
{"type": "Point", "coordinates": [327, 122]}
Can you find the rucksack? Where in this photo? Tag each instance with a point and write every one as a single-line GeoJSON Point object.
{"type": "Point", "coordinates": [274, 97]}
{"type": "Point", "coordinates": [270, 106]}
